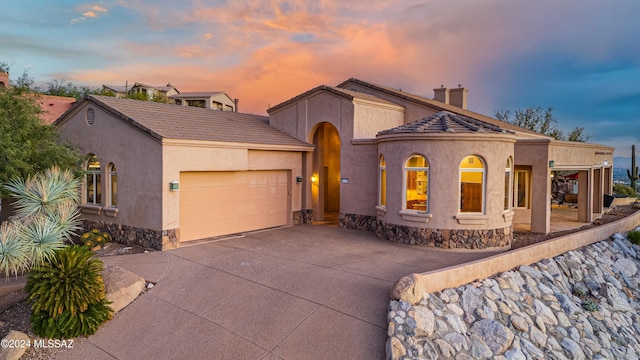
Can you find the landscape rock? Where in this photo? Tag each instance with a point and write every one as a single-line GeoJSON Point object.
{"type": "Point", "coordinates": [13, 352]}
{"type": "Point", "coordinates": [122, 286]}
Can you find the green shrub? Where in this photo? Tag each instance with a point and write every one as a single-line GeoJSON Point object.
{"type": "Point", "coordinates": [67, 295]}
{"type": "Point", "coordinates": [634, 236]}
{"type": "Point", "coordinates": [624, 190]}
{"type": "Point", "coordinates": [95, 238]}
{"type": "Point", "coordinates": [590, 305]}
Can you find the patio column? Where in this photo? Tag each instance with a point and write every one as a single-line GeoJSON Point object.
{"type": "Point", "coordinates": [585, 189]}
{"type": "Point", "coordinates": [597, 193]}
{"type": "Point", "coordinates": [541, 198]}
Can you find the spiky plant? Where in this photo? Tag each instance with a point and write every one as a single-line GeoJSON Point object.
{"type": "Point", "coordinates": [94, 238]}
{"type": "Point", "coordinates": [44, 193]}
{"type": "Point", "coordinates": [13, 252]}
{"type": "Point", "coordinates": [46, 215]}
{"type": "Point", "coordinates": [67, 294]}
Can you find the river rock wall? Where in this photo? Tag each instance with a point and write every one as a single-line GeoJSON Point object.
{"type": "Point", "coordinates": [580, 305]}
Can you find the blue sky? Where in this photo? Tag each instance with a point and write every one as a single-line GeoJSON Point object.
{"type": "Point", "coordinates": [580, 56]}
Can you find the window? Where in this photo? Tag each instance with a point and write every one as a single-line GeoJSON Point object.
{"type": "Point", "coordinates": [522, 189]}
{"type": "Point", "coordinates": [197, 103]}
{"type": "Point", "coordinates": [416, 172]}
{"type": "Point", "coordinates": [382, 180]}
{"type": "Point", "coordinates": [508, 171]}
{"type": "Point", "coordinates": [113, 186]}
{"type": "Point", "coordinates": [472, 184]}
{"type": "Point", "coordinates": [92, 181]}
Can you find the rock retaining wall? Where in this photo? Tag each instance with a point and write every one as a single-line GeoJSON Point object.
{"type": "Point", "coordinates": [580, 305]}
{"type": "Point", "coordinates": [131, 235]}
{"type": "Point", "coordinates": [303, 217]}
{"type": "Point", "coordinates": [445, 238]}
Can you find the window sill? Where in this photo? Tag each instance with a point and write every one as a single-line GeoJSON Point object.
{"type": "Point", "coordinates": [415, 216]}
{"type": "Point", "coordinates": [381, 210]}
{"type": "Point", "coordinates": [508, 216]}
{"type": "Point", "coordinates": [111, 211]}
{"type": "Point", "coordinates": [472, 219]}
{"type": "Point", "coordinates": [90, 209]}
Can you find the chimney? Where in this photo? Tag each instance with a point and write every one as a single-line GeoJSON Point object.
{"type": "Point", "coordinates": [235, 101]}
{"type": "Point", "coordinates": [441, 94]}
{"type": "Point", "coordinates": [458, 97]}
{"type": "Point", "coordinates": [4, 80]}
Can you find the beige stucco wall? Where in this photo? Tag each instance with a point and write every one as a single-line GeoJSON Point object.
{"type": "Point", "coordinates": [535, 153]}
{"type": "Point", "coordinates": [370, 118]}
{"type": "Point", "coordinates": [445, 152]}
{"type": "Point", "coordinates": [183, 155]}
{"type": "Point", "coordinates": [358, 157]}
{"type": "Point", "coordinates": [137, 157]}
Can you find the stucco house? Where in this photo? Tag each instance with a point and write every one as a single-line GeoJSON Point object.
{"type": "Point", "coordinates": [150, 91]}
{"type": "Point", "coordinates": [412, 169]}
{"type": "Point", "coordinates": [216, 100]}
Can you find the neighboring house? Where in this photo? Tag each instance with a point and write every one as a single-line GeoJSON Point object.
{"type": "Point", "coordinates": [150, 91]}
{"type": "Point", "coordinates": [52, 106]}
{"type": "Point", "coordinates": [157, 174]}
{"type": "Point", "coordinates": [216, 100]}
{"type": "Point", "coordinates": [415, 170]}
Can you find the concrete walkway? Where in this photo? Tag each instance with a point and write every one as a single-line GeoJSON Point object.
{"type": "Point", "coordinates": [303, 292]}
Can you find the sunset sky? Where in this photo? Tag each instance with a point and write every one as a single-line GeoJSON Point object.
{"type": "Point", "coordinates": [580, 56]}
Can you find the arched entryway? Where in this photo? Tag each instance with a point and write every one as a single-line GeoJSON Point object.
{"type": "Point", "coordinates": [325, 185]}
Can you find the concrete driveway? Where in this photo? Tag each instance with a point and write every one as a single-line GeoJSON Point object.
{"type": "Point", "coordinates": [303, 292]}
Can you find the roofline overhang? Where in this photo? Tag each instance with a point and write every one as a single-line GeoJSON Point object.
{"type": "Point", "coordinates": [235, 145]}
{"type": "Point", "coordinates": [448, 137]}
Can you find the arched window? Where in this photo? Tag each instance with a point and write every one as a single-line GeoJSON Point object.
{"type": "Point", "coordinates": [416, 173]}
{"type": "Point", "coordinates": [113, 186]}
{"type": "Point", "coordinates": [93, 193]}
{"type": "Point", "coordinates": [472, 180]}
{"type": "Point", "coordinates": [508, 180]}
{"type": "Point", "coordinates": [382, 181]}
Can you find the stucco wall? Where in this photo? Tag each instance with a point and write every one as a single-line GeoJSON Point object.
{"type": "Point", "coordinates": [445, 152]}
{"type": "Point", "coordinates": [179, 156]}
{"type": "Point", "coordinates": [371, 118]}
{"type": "Point", "coordinates": [137, 157]}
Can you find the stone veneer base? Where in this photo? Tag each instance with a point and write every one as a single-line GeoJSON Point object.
{"type": "Point", "coordinates": [303, 217]}
{"type": "Point", "coordinates": [132, 235]}
{"type": "Point", "coordinates": [357, 222]}
{"type": "Point", "coordinates": [445, 238]}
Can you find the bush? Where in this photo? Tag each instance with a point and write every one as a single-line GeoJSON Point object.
{"type": "Point", "coordinates": [624, 190]}
{"type": "Point", "coordinates": [634, 236]}
{"type": "Point", "coordinates": [67, 295]}
{"type": "Point", "coordinates": [95, 238]}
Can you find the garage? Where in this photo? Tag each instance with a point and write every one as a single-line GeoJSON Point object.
{"type": "Point", "coordinates": [228, 202]}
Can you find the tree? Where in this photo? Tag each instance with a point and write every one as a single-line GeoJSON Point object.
{"type": "Point", "coordinates": [27, 146]}
{"type": "Point", "coordinates": [541, 120]}
{"type": "Point", "coordinates": [68, 89]}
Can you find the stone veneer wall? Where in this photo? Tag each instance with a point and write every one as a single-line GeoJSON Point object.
{"type": "Point", "coordinates": [357, 222]}
{"type": "Point", "coordinates": [445, 238]}
{"type": "Point", "coordinates": [131, 235]}
{"type": "Point", "coordinates": [583, 304]}
{"type": "Point", "coordinates": [303, 217]}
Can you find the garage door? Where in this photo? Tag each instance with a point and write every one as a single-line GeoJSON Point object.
{"type": "Point", "coordinates": [221, 203]}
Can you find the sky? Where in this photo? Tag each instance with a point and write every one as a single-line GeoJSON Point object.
{"type": "Point", "coordinates": [582, 57]}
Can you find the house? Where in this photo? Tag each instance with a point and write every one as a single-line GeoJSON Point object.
{"type": "Point", "coordinates": [150, 91]}
{"type": "Point", "coordinates": [412, 169]}
{"type": "Point", "coordinates": [216, 100]}
{"type": "Point", "coordinates": [159, 174]}
{"type": "Point", "coordinates": [52, 106]}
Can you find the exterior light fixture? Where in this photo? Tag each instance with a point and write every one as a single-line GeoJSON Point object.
{"type": "Point", "coordinates": [314, 178]}
{"type": "Point", "coordinates": [344, 180]}
{"type": "Point", "coordinates": [552, 163]}
{"type": "Point", "coordinates": [298, 179]}
{"type": "Point", "coordinates": [605, 163]}
{"type": "Point", "coordinates": [174, 186]}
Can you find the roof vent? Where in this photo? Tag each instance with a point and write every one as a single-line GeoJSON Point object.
{"type": "Point", "coordinates": [90, 116]}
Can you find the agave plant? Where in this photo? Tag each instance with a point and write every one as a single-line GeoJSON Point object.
{"type": "Point", "coordinates": [13, 252]}
{"type": "Point", "coordinates": [46, 216]}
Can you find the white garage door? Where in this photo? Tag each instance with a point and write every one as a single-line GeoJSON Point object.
{"type": "Point", "coordinates": [221, 203]}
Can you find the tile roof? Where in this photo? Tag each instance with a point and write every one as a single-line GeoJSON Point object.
{"type": "Point", "coordinates": [445, 122]}
{"type": "Point", "coordinates": [346, 93]}
{"type": "Point", "coordinates": [441, 106]}
{"type": "Point", "coordinates": [191, 123]}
